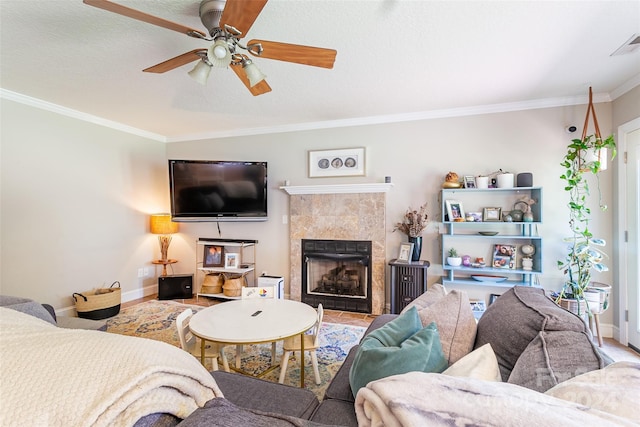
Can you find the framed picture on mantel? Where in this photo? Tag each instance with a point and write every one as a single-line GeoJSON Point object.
{"type": "Point", "coordinates": [344, 162]}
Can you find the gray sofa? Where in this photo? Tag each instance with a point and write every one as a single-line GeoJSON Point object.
{"type": "Point", "coordinates": [537, 345]}
{"type": "Point", "coordinates": [46, 312]}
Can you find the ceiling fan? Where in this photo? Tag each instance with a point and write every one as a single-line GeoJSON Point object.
{"type": "Point", "coordinates": [227, 22]}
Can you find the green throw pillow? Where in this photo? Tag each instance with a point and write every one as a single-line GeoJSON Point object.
{"type": "Point", "coordinates": [398, 347]}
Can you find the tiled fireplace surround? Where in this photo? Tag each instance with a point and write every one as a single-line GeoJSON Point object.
{"type": "Point", "coordinates": [343, 216]}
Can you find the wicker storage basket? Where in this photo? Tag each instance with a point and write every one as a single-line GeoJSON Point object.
{"type": "Point", "coordinates": [233, 286]}
{"type": "Point", "coordinates": [99, 303]}
{"type": "Point", "coordinates": [212, 284]}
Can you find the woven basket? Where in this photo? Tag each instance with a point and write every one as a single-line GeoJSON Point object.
{"type": "Point", "coordinates": [233, 286]}
{"type": "Point", "coordinates": [212, 284]}
{"type": "Point", "coordinates": [99, 303]}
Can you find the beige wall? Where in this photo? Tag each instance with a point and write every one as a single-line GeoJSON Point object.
{"type": "Point", "coordinates": [62, 175]}
{"type": "Point", "coordinates": [75, 199]}
{"type": "Point", "coordinates": [417, 155]}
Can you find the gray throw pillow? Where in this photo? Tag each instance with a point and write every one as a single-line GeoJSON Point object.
{"type": "Point", "coordinates": [516, 318]}
{"type": "Point", "coordinates": [554, 357]}
{"type": "Point", "coordinates": [34, 309]}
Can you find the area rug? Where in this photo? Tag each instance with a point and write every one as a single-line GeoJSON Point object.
{"type": "Point", "coordinates": [156, 320]}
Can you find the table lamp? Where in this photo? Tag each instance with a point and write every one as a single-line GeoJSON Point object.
{"type": "Point", "coordinates": [161, 224]}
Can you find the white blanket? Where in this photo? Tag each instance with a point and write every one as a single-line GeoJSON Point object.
{"type": "Point", "coordinates": [52, 376]}
{"type": "Point", "coordinates": [425, 399]}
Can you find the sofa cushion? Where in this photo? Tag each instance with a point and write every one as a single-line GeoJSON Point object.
{"type": "Point", "coordinates": [456, 325]}
{"type": "Point", "coordinates": [514, 320]}
{"type": "Point", "coordinates": [400, 346]}
{"type": "Point", "coordinates": [222, 413]}
{"type": "Point", "coordinates": [435, 293]}
{"type": "Point", "coordinates": [480, 363]}
{"type": "Point", "coordinates": [553, 357]}
{"type": "Point", "coordinates": [378, 322]}
{"type": "Point", "coordinates": [336, 412]}
{"type": "Point", "coordinates": [614, 389]}
{"type": "Point", "coordinates": [339, 388]}
{"type": "Point", "coordinates": [34, 309]}
{"type": "Point", "coordinates": [254, 393]}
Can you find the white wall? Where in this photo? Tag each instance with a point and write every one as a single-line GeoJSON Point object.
{"type": "Point", "coordinates": [417, 155]}
{"type": "Point", "coordinates": [75, 202]}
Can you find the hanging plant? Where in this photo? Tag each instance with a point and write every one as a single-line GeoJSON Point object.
{"type": "Point", "coordinates": [584, 254]}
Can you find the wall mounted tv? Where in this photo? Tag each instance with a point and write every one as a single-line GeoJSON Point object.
{"type": "Point", "coordinates": [208, 190]}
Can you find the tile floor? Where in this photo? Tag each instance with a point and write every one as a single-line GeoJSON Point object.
{"type": "Point", "coordinates": [613, 348]}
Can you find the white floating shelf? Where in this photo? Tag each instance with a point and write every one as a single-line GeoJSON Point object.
{"type": "Point", "coordinates": [338, 188]}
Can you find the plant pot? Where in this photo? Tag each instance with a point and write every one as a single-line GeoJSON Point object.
{"type": "Point", "coordinates": [573, 305]}
{"type": "Point", "coordinates": [454, 261]}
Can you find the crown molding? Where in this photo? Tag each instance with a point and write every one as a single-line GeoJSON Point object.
{"type": "Point", "coordinates": [329, 124]}
{"type": "Point", "coordinates": [64, 111]}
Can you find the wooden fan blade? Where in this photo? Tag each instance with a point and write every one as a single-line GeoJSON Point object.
{"type": "Point", "coordinates": [307, 55]}
{"type": "Point", "coordinates": [176, 62]}
{"type": "Point", "coordinates": [241, 14]}
{"type": "Point", "coordinates": [259, 89]}
{"type": "Point", "coordinates": [144, 17]}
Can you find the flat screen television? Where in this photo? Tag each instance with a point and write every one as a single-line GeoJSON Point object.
{"type": "Point", "coordinates": [218, 190]}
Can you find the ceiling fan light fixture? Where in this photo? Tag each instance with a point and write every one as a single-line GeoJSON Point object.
{"type": "Point", "coordinates": [200, 72]}
{"type": "Point", "coordinates": [253, 73]}
{"type": "Point", "coordinates": [219, 54]}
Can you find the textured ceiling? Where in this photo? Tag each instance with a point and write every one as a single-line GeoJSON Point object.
{"type": "Point", "coordinates": [397, 60]}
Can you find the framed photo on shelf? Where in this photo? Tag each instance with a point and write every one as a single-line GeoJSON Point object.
{"type": "Point", "coordinates": [213, 256]}
{"type": "Point", "coordinates": [478, 307]}
{"type": "Point", "coordinates": [454, 210]}
{"type": "Point", "coordinates": [405, 251]}
{"type": "Point", "coordinates": [491, 214]}
{"type": "Point", "coordinates": [469, 181]}
{"type": "Point", "coordinates": [504, 256]}
{"type": "Point", "coordinates": [230, 260]}
{"type": "Point", "coordinates": [492, 298]}
{"type": "Point", "coordinates": [344, 162]}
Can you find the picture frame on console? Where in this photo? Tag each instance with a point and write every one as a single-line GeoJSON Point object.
{"type": "Point", "coordinates": [404, 252]}
{"type": "Point", "coordinates": [342, 162]}
{"type": "Point", "coordinates": [213, 256]}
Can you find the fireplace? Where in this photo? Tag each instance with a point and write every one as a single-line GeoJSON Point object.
{"type": "Point", "coordinates": [337, 274]}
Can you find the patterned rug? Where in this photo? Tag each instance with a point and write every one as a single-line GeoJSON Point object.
{"type": "Point", "coordinates": [156, 320]}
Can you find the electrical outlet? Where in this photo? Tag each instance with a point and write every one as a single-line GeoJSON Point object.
{"type": "Point", "coordinates": [140, 272]}
{"type": "Point", "coordinates": [285, 219]}
{"type": "Point", "coordinates": [146, 272]}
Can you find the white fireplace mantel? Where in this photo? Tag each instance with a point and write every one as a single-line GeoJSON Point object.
{"type": "Point", "coordinates": [338, 188]}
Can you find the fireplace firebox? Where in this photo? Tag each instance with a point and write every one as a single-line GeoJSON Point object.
{"type": "Point", "coordinates": [337, 274]}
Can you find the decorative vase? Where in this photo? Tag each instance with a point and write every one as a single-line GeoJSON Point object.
{"type": "Point", "coordinates": [417, 247]}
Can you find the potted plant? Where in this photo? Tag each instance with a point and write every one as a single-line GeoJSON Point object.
{"type": "Point", "coordinates": [584, 254]}
{"type": "Point", "coordinates": [413, 225]}
{"type": "Point", "coordinates": [454, 260]}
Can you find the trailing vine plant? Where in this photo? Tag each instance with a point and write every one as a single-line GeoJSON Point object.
{"type": "Point", "coordinates": [583, 254]}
